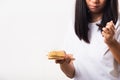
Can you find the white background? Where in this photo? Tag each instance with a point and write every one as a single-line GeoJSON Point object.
{"type": "Point", "coordinates": [28, 30]}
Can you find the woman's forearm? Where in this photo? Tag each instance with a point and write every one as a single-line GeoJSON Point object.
{"type": "Point", "coordinates": [115, 49]}
{"type": "Point", "coordinates": [68, 69]}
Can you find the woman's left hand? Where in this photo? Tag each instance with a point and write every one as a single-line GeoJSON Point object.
{"type": "Point", "coordinates": [109, 32]}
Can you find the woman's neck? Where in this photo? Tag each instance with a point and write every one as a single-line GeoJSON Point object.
{"type": "Point", "coordinates": [96, 17]}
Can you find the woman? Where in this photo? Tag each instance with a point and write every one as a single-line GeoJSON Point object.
{"type": "Point", "coordinates": [97, 46]}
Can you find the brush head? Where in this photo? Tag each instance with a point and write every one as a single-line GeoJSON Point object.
{"type": "Point", "coordinates": [57, 55]}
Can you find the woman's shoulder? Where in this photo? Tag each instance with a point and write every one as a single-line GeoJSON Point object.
{"type": "Point", "coordinates": [119, 17]}
{"type": "Point", "coordinates": [117, 25]}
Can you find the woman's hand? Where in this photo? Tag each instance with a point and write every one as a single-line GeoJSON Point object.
{"type": "Point", "coordinates": [67, 59]}
{"type": "Point", "coordinates": [66, 65]}
{"type": "Point", "coordinates": [109, 32]}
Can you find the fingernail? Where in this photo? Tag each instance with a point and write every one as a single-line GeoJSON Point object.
{"type": "Point", "coordinates": [111, 21]}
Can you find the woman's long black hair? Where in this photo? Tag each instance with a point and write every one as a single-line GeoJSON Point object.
{"type": "Point", "coordinates": [82, 17]}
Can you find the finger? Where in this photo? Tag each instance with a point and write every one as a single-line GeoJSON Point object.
{"type": "Point", "coordinates": [111, 24]}
{"type": "Point", "coordinates": [110, 30]}
{"type": "Point", "coordinates": [103, 33]}
{"type": "Point", "coordinates": [68, 58]}
{"type": "Point", "coordinates": [105, 30]}
{"type": "Point", "coordinates": [59, 61]}
{"type": "Point", "coordinates": [70, 55]}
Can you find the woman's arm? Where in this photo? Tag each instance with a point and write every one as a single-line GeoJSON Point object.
{"type": "Point", "coordinates": [109, 38]}
{"type": "Point", "coordinates": [67, 66]}
{"type": "Point", "coordinates": [68, 69]}
{"type": "Point", "coordinates": [115, 49]}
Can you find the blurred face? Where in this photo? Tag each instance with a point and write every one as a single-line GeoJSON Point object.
{"type": "Point", "coordinates": [95, 6]}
